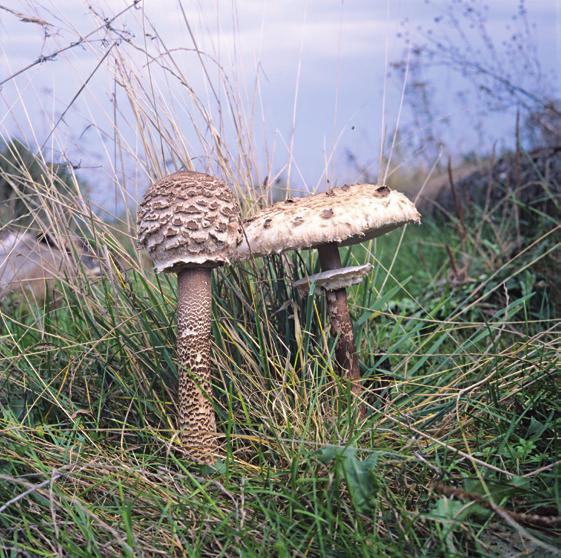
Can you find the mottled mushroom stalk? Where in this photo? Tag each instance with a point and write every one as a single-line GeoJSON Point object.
{"type": "Point", "coordinates": [197, 423]}
{"type": "Point", "coordinates": [340, 321]}
{"type": "Point", "coordinates": [189, 223]}
{"type": "Point", "coordinates": [333, 282]}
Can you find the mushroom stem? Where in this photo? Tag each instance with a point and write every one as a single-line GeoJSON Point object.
{"type": "Point", "coordinates": [197, 423]}
{"type": "Point", "coordinates": [340, 320]}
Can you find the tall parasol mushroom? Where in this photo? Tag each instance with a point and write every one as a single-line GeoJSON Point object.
{"type": "Point", "coordinates": [338, 217]}
{"type": "Point", "coordinates": [189, 223]}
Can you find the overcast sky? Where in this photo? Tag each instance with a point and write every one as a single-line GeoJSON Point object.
{"type": "Point", "coordinates": [312, 74]}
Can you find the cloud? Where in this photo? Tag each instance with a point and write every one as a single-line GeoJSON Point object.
{"type": "Point", "coordinates": [327, 30]}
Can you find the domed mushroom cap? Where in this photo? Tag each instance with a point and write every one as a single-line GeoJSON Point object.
{"type": "Point", "coordinates": [189, 219]}
{"type": "Point", "coordinates": [345, 215]}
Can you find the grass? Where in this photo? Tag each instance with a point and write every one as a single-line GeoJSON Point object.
{"type": "Point", "coordinates": [462, 395]}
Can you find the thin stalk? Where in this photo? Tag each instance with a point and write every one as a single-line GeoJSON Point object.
{"type": "Point", "coordinates": [340, 320]}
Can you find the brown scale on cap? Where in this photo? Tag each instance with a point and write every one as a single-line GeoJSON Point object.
{"type": "Point", "coordinates": [188, 218]}
{"type": "Point", "coordinates": [189, 222]}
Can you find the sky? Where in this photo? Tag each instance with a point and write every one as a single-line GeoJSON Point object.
{"type": "Point", "coordinates": [312, 77]}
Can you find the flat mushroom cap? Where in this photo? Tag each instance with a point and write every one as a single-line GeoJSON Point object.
{"type": "Point", "coordinates": [345, 215]}
{"type": "Point", "coordinates": [334, 279]}
{"type": "Point", "coordinates": [189, 219]}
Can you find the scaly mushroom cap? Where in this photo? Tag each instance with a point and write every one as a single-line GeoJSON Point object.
{"type": "Point", "coordinates": [345, 215]}
{"type": "Point", "coordinates": [189, 219]}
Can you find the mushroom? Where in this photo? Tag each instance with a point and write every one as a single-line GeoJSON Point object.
{"type": "Point", "coordinates": [339, 217]}
{"type": "Point", "coordinates": [189, 223]}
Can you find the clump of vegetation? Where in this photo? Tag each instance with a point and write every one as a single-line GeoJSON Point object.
{"type": "Point", "coordinates": [25, 178]}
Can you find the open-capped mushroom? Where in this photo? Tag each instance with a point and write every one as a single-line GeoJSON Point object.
{"type": "Point", "coordinates": [189, 223]}
{"type": "Point", "coordinates": [340, 216]}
